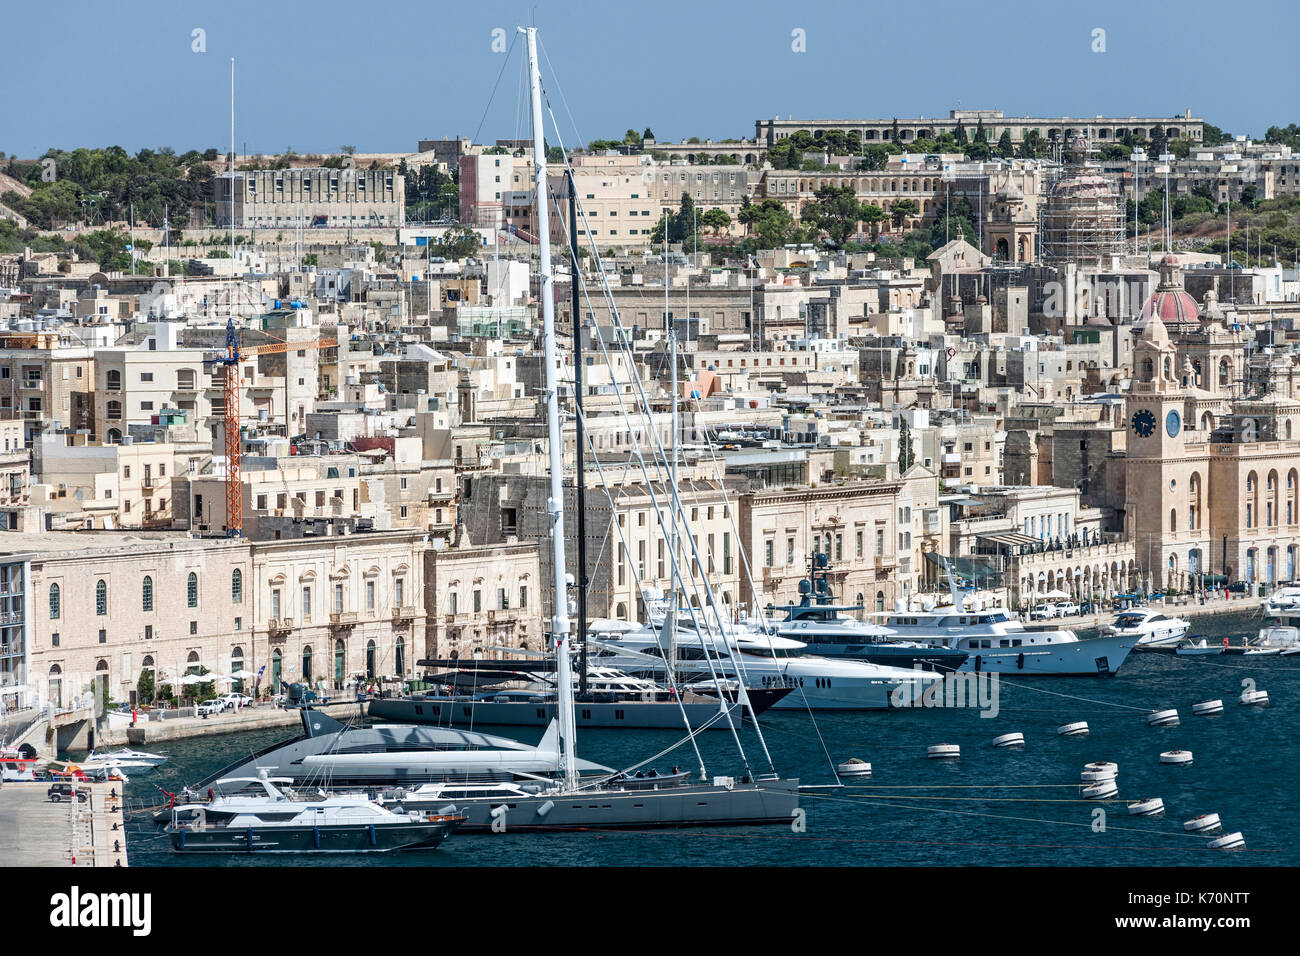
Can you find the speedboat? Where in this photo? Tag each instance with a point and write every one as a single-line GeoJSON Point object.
{"type": "Point", "coordinates": [1151, 628]}
{"type": "Point", "coordinates": [124, 758]}
{"type": "Point", "coordinates": [273, 822]}
{"type": "Point", "coordinates": [1282, 640]}
{"type": "Point", "coordinates": [1283, 602]}
{"type": "Point", "coordinates": [1200, 649]}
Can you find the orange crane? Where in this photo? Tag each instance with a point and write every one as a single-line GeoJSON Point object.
{"type": "Point", "coordinates": [234, 354]}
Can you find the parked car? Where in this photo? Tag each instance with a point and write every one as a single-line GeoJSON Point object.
{"type": "Point", "coordinates": [63, 793]}
{"type": "Point", "coordinates": [1042, 612]}
{"type": "Point", "coordinates": [1238, 587]}
{"type": "Point", "coordinates": [214, 706]}
{"type": "Point", "coordinates": [1068, 609]}
{"type": "Point", "coordinates": [236, 701]}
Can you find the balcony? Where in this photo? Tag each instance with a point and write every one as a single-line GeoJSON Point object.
{"type": "Point", "coordinates": [343, 620]}
{"type": "Point", "coordinates": [278, 629]}
{"type": "Point", "coordinates": [403, 615]}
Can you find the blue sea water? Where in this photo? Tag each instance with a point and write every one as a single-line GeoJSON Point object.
{"type": "Point", "coordinates": [991, 807]}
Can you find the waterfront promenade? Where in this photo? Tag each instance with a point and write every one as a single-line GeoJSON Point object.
{"type": "Point", "coordinates": [34, 831]}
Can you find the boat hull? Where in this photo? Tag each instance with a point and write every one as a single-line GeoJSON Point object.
{"type": "Point", "coordinates": [642, 715]}
{"type": "Point", "coordinates": [690, 805]}
{"type": "Point", "coordinates": [330, 838]}
{"type": "Point", "coordinates": [1091, 657]}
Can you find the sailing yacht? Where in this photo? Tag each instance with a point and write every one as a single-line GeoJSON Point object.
{"type": "Point", "coordinates": [544, 787]}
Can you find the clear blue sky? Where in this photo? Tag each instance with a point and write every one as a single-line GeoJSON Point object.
{"type": "Point", "coordinates": [382, 75]}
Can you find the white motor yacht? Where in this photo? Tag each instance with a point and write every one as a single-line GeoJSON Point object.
{"type": "Point", "coordinates": [1152, 628]}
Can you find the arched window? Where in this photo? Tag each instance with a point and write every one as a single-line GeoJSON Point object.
{"type": "Point", "coordinates": [54, 602]}
{"type": "Point", "coordinates": [192, 590]}
{"type": "Point", "coordinates": [880, 600]}
{"type": "Point", "coordinates": [1223, 371]}
{"type": "Point", "coordinates": [101, 598]}
{"type": "Point", "coordinates": [237, 586]}
{"type": "Point", "coordinates": [146, 594]}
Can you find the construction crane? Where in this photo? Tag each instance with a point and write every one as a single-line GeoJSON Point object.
{"type": "Point", "coordinates": [233, 355]}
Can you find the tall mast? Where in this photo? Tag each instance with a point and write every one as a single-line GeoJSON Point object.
{"type": "Point", "coordinates": [670, 652]}
{"type": "Point", "coordinates": [579, 430]}
{"type": "Point", "coordinates": [555, 504]}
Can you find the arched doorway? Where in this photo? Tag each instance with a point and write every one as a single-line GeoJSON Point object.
{"type": "Point", "coordinates": [277, 662]}
{"type": "Point", "coordinates": [340, 660]}
{"type": "Point", "coordinates": [56, 685]}
{"type": "Point", "coordinates": [370, 660]}
{"type": "Point", "coordinates": [306, 664]}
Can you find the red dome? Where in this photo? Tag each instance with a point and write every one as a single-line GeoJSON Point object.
{"type": "Point", "coordinates": [1172, 306]}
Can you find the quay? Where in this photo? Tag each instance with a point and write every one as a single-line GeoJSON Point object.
{"type": "Point", "coordinates": [256, 717]}
{"type": "Point", "coordinates": [34, 831]}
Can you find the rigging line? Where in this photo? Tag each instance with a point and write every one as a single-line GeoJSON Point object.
{"type": "Point", "coordinates": [999, 816]}
{"type": "Point", "coordinates": [493, 94]}
{"type": "Point", "coordinates": [559, 89]}
{"type": "Point", "coordinates": [667, 750]}
{"type": "Point", "coordinates": [1091, 700]}
{"type": "Point", "coordinates": [641, 590]}
{"type": "Point", "coordinates": [679, 514]}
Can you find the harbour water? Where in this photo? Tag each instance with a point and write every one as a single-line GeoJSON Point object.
{"type": "Point", "coordinates": [990, 807]}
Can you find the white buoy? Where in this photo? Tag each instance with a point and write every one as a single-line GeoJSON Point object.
{"type": "Point", "coordinates": [1162, 718]}
{"type": "Point", "coordinates": [1101, 790]}
{"type": "Point", "coordinates": [1016, 739]}
{"type": "Point", "coordinates": [854, 767]}
{"type": "Point", "coordinates": [1150, 807]}
{"type": "Point", "coordinates": [1101, 765]}
{"type": "Point", "coordinates": [1229, 841]}
{"type": "Point", "coordinates": [1095, 776]}
{"type": "Point", "coordinates": [1205, 708]}
{"type": "Point", "coordinates": [1077, 729]}
{"type": "Point", "coordinates": [1203, 823]}
{"type": "Point", "coordinates": [1249, 697]}
{"type": "Point", "coordinates": [1176, 757]}
{"type": "Point", "coordinates": [943, 751]}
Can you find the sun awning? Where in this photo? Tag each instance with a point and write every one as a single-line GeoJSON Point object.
{"type": "Point", "coordinates": [1013, 538]}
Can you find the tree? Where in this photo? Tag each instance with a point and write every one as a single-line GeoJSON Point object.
{"type": "Point", "coordinates": [836, 211]}
{"type": "Point", "coordinates": [906, 457]}
{"type": "Point", "coordinates": [458, 243]}
{"type": "Point", "coordinates": [716, 219]}
{"type": "Point", "coordinates": [349, 150]}
{"type": "Point", "coordinates": [144, 687]}
{"type": "Point", "coordinates": [1159, 142]}
{"type": "Point", "coordinates": [872, 216]}
{"type": "Point", "coordinates": [770, 223]}
{"type": "Point", "coordinates": [980, 135]}
{"type": "Point", "coordinates": [960, 134]}
{"type": "Point", "coordinates": [901, 210]}
{"type": "Point", "coordinates": [1005, 149]}
{"type": "Point", "coordinates": [647, 134]}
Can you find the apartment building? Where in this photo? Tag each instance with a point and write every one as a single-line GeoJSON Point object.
{"type": "Point", "coordinates": [43, 381]}
{"type": "Point", "coordinates": [316, 197]}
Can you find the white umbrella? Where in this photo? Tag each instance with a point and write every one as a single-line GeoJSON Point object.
{"type": "Point", "coordinates": [243, 675]}
{"type": "Point", "coordinates": [1056, 593]}
{"type": "Point", "coordinates": [221, 679]}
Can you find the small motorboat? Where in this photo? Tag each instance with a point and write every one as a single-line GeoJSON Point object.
{"type": "Point", "coordinates": [124, 758]}
{"type": "Point", "coordinates": [854, 767]}
{"type": "Point", "coordinates": [1203, 823]}
{"type": "Point", "coordinates": [1199, 649]}
{"type": "Point", "coordinates": [275, 822]}
{"type": "Point", "coordinates": [1150, 807]}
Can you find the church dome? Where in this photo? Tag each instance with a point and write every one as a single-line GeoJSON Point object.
{"type": "Point", "coordinates": [1170, 302]}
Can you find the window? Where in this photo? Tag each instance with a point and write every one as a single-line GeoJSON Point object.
{"type": "Point", "coordinates": [146, 594]}
{"type": "Point", "coordinates": [54, 602]}
{"type": "Point", "coordinates": [503, 599]}
{"type": "Point", "coordinates": [523, 596]}
{"type": "Point", "coordinates": [399, 591]}
{"type": "Point", "coordinates": [338, 598]}
{"type": "Point", "coordinates": [101, 598]}
{"type": "Point", "coordinates": [370, 596]}
{"type": "Point", "coordinates": [275, 604]}
{"type": "Point", "coordinates": [767, 553]}
{"type": "Point", "coordinates": [859, 544]}
{"type": "Point", "coordinates": [789, 550]}
{"type": "Point", "coordinates": [478, 600]}
{"type": "Point", "coordinates": [306, 603]}
{"type": "Point", "coordinates": [194, 628]}
{"type": "Point", "coordinates": [237, 586]}
{"type": "Point", "coordinates": [54, 639]}
{"type": "Point", "coordinates": [192, 590]}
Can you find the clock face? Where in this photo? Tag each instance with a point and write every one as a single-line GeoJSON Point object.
{"type": "Point", "coordinates": [1144, 423]}
{"type": "Point", "coordinates": [1173, 423]}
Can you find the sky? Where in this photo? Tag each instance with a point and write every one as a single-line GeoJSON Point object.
{"type": "Point", "coordinates": [380, 76]}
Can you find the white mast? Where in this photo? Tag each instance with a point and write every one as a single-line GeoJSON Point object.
{"type": "Point", "coordinates": [555, 504]}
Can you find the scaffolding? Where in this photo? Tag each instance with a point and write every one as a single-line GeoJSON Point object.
{"type": "Point", "coordinates": [1083, 219]}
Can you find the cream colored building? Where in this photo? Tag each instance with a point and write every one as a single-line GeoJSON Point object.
{"type": "Point", "coordinates": [481, 597]}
